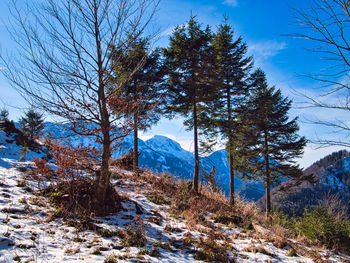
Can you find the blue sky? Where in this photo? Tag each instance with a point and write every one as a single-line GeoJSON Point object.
{"type": "Point", "coordinates": [262, 25]}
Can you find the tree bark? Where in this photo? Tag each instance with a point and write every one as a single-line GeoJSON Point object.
{"type": "Point", "coordinates": [232, 180]}
{"type": "Point", "coordinates": [196, 155]}
{"type": "Point", "coordinates": [103, 183]}
{"type": "Point", "coordinates": [267, 176]}
{"type": "Point", "coordinates": [102, 180]}
{"type": "Point", "coordinates": [136, 148]}
{"type": "Point", "coordinates": [230, 157]}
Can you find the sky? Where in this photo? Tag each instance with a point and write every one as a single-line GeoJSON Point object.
{"type": "Point", "coordinates": [263, 25]}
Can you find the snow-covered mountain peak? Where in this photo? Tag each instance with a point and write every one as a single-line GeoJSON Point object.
{"type": "Point", "coordinates": [162, 141]}
{"type": "Point", "coordinates": [168, 146]}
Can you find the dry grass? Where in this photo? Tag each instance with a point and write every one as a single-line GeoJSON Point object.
{"type": "Point", "coordinates": [335, 207]}
{"type": "Point", "coordinates": [281, 236]}
{"type": "Point", "coordinates": [196, 208]}
{"type": "Point", "coordinates": [258, 249]}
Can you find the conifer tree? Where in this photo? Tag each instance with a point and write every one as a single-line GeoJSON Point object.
{"type": "Point", "coordinates": [4, 114]}
{"type": "Point", "coordinates": [188, 61]}
{"type": "Point", "coordinates": [269, 142]}
{"type": "Point", "coordinates": [139, 75]}
{"type": "Point", "coordinates": [32, 123]}
{"type": "Point", "coordinates": [231, 67]}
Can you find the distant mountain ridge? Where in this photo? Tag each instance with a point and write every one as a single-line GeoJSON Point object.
{"type": "Point", "coordinates": [328, 176]}
{"type": "Point", "coordinates": [162, 154]}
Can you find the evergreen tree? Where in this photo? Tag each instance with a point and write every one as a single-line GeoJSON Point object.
{"type": "Point", "coordinates": [32, 123]}
{"type": "Point", "coordinates": [188, 60]}
{"type": "Point", "coordinates": [24, 152]}
{"type": "Point", "coordinates": [269, 141]}
{"type": "Point", "coordinates": [4, 114]}
{"type": "Point", "coordinates": [231, 67]}
{"type": "Point", "coordinates": [141, 88]}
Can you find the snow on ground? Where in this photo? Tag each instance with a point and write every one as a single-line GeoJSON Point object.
{"type": "Point", "coordinates": [27, 236]}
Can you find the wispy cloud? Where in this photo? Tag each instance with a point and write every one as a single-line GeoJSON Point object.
{"type": "Point", "coordinates": [266, 49]}
{"type": "Point", "coordinates": [231, 2]}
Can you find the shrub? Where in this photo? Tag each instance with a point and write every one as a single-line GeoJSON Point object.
{"type": "Point", "coordinates": [7, 234]}
{"type": "Point", "coordinates": [319, 226]}
{"type": "Point", "coordinates": [134, 238]}
{"type": "Point", "coordinates": [23, 201]}
{"type": "Point", "coordinates": [21, 183]}
{"type": "Point", "coordinates": [154, 252]}
{"type": "Point", "coordinates": [96, 251]}
{"type": "Point", "coordinates": [71, 162]}
{"type": "Point", "coordinates": [211, 251]}
{"type": "Point", "coordinates": [111, 233]}
{"type": "Point", "coordinates": [157, 199]}
{"type": "Point", "coordinates": [280, 218]}
{"type": "Point", "coordinates": [227, 219]}
{"type": "Point", "coordinates": [163, 245]}
{"type": "Point", "coordinates": [292, 253]}
{"type": "Point", "coordinates": [111, 259]}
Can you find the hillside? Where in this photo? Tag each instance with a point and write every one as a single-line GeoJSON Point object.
{"type": "Point", "coordinates": [160, 222]}
{"type": "Point", "coordinates": [330, 176]}
{"type": "Point", "coordinates": [161, 154]}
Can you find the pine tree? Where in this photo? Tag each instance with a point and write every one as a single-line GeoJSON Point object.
{"type": "Point", "coordinates": [24, 152]}
{"type": "Point", "coordinates": [269, 140]}
{"type": "Point", "coordinates": [142, 88]}
{"type": "Point", "coordinates": [4, 114]}
{"type": "Point", "coordinates": [231, 67]}
{"type": "Point", "coordinates": [188, 60]}
{"type": "Point", "coordinates": [32, 123]}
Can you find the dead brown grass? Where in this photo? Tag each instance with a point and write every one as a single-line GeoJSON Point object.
{"type": "Point", "coordinates": [196, 208]}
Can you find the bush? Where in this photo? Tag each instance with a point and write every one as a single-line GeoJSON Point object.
{"type": "Point", "coordinates": [76, 199]}
{"type": "Point", "coordinates": [157, 199]}
{"type": "Point", "coordinates": [319, 226]}
{"type": "Point", "coordinates": [227, 219]}
{"type": "Point", "coordinates": [280, 218]}
{"type": "Point", "coordinates": [111, 259]}
{"type": "Point", "coordinates": [211, 251]}
{"type": "Point", "coordinates": [71, 187]}
{"type": "Point", "coordinates": [111, 233]}
{"type": "Point", "coordinates": [134, 238]}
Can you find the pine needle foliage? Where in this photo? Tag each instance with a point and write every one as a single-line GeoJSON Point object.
{"type": "Point", "coordinates": [231, 68]}
{"type": "Point", "coordinates": [189, 88]}
{"type": "Point", "coordinates": [267, 143]}
{"type": "Point", "coordinates": [32, 124]}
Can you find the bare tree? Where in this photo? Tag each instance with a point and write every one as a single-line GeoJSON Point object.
{"type": "Point", "coordinates": [326, 23]}
{"type": "Point", "coordinates": [63, 63]}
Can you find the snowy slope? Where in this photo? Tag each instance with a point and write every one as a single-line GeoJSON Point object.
{"type": "Point", "coordinates": [27, 235]}
{"type": "Point", "coordinates": [10, 150]}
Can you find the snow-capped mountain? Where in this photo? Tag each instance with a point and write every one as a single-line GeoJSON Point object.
{"type": "Point", "coordinates": [162, 154]}
{"type": "Point", "coordinates": [169, 147]}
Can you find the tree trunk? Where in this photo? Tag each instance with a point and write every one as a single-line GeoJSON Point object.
{"type": "Point", "coordinates": [101, 182]}
{"type": "Point", "coordinates": [230, 157]}
{"type": "Point", "coordinates": [268, 196]}
{"type": "Point", "coordinates": [196, 156]}
{"type": "Point", "coordinates": [136, 148]}
{"type": "Point", "coordinates": [102, 179]}
{"type": "Point", "coordinates": [267, 177]}
{"type": "Point", "coordinates": [232, 180]}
